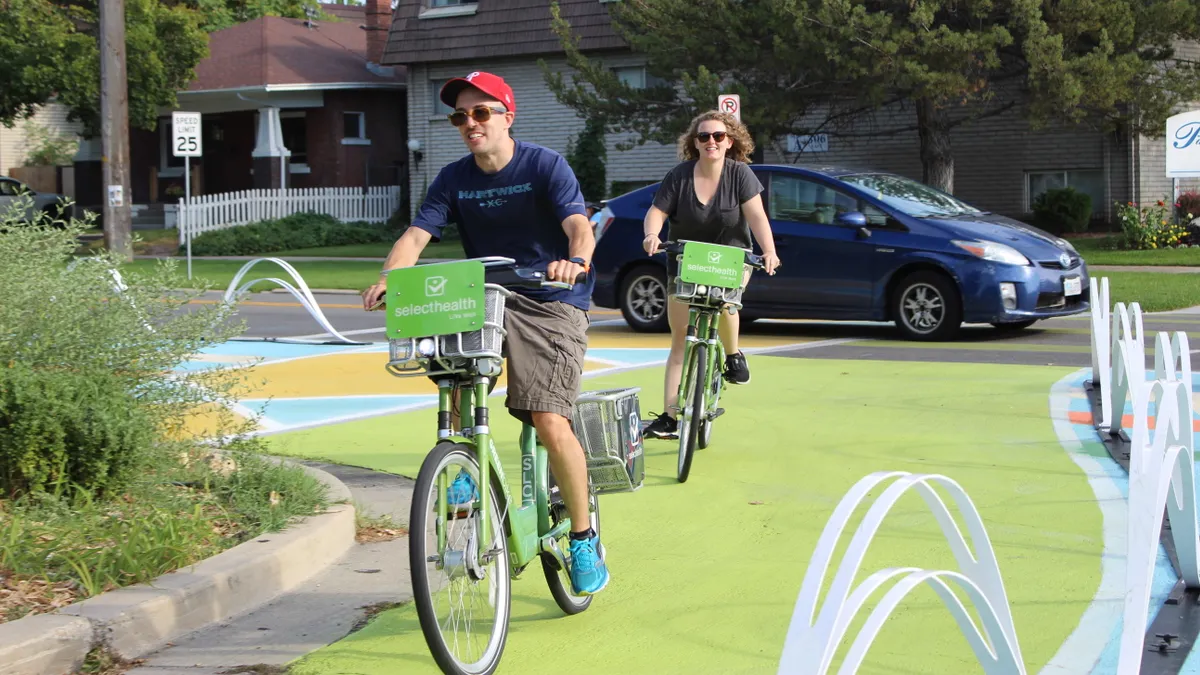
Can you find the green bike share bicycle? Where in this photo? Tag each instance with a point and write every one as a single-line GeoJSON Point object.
{"type": "Point", "coordinates": [445, 321]}
{"type": "Point", "coordinates": [709, 282]}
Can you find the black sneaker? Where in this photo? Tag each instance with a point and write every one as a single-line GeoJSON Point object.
{"type": "Point", "coordinates": [663, 426]}
{"type": "Point", "coordinates": [736, 369]}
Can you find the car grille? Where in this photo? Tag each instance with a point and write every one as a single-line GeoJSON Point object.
{"type": "Point", "coordinates": [1057, 265]}
{"type": "Point", "coordinates": [1058, 301]}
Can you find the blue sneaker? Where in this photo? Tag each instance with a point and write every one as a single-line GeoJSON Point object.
{"type": "Point", "coordinates": [589, 574]}
{"type": "Point", "coordinates": [462, 493]}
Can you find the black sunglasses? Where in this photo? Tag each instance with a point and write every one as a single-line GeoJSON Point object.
{"type": "Point", "coordinates": [481, 114]}
{"type": "Point", "coordinates": [718, 136]}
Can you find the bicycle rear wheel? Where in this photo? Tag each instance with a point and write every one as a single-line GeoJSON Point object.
{"type": "Point", "coordinates": [716, 382]}
{"type": "Point", "coordinates": [693, 409]}
{"type": "Point", "coordinates": [558, 578]}
{"type": "Point", "coordinates": [463, 606]}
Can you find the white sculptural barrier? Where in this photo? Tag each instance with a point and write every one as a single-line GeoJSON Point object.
{"type": "Point", "coordinates": [1161, 476]}
{"type": "Point", "coordinates": [1127, 372]}
{"type": "Point", "coordinates": [303, 294]}
{"type": "Point", "coordinates": [1100, 316]}
{"type": "Point", "coordinates": [813, 638]}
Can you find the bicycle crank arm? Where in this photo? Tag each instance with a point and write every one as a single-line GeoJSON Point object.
{"type": "Point", "coordinates": [550, 545]}
{"type": "Point", "coordinates": [715, 414]}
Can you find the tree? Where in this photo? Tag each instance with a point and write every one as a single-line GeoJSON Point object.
{"type": "Point", "coordinates": [586, 154]}
{"type": "Point", "coordinates": [807, 66]}
{"type": "Point", "coordinates": [57, 52]}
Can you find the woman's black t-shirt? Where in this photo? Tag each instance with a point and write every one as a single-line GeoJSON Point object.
{"type": "Point", "coordinates": [720, 221]}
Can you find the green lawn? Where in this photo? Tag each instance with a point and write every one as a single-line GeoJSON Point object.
{"type": "Point", "coordinates": [1155, 292]}
{"type": "Point", "coordinates": [1102, 251]}
{"type": "Point", "coordinates": [321, 274]}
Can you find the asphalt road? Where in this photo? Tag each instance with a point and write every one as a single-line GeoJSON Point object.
{"type": "Point", "coordinates": [1055, 342]}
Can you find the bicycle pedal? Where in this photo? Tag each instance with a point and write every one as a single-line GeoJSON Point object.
{"type": "Point", "coordinates": [716, 413]}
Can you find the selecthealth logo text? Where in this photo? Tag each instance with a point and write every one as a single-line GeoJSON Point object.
{"type": "Point", "coordinates": [710, 269]}
{"type": "Point", "coordinates": [437, 307]}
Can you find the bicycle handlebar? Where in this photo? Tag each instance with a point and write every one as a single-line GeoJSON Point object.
{"type": "Point", "coordinates": [675, 247]}
{"type": "Point", "coordinates": [505, 273]}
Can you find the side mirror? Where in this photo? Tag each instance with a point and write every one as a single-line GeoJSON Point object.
{"type": "Point", "coordinates": [851, 219]}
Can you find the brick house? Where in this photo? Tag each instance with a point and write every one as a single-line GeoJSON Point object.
{"type": "Point", "coordinates": [285, 103]}
{"type": "Point", "coordinates": [1001, 164]}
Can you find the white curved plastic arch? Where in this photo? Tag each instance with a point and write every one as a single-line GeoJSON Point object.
{"type": "Point", "coordinates": [303, 294]}
{"type": "Point", "coordinates": [1160, 474]}
{"type": "Point", "coordinates": [810, 646]}
{"type": "Point", "coordinates": [1101, 317]}
{"type": "Point", "coordinates": [1128, 372]}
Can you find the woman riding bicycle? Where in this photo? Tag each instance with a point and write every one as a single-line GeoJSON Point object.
{"type": "Point", "coordinates": [711, 196]}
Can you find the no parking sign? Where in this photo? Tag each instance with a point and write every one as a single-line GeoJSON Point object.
{"type": "Point", "coordinates": [730, 103]}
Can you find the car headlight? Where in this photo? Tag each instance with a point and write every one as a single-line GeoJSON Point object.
{"type": "Point", "coordinates": [995, 252]}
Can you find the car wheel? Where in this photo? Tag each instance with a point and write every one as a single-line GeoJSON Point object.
{"type": "Point", "coordinates": [1015, 325]}
{"type": "Point", "coordinates": [643, 299]}
{"type": "Point", "coordinates": [926, 307]}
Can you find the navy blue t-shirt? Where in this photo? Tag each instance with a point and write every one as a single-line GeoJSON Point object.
{"type": "Point", "coordinates": [516, 213]}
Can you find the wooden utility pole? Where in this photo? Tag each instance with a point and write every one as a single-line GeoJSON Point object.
{"type": "Point", "coordinates": [114, 128]}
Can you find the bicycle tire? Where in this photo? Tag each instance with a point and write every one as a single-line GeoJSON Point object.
{"type": "Point", "coordinates": [706, 425]}
{"type": "Point", "coordinates": [558, 579]}
{"type": "Point", "coordinates": [689, 422]}
{"type": "Point", "coordinates": [423, 505]}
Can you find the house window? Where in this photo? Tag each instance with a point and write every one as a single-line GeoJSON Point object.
{"type": "Point", "coordinates": [293, 126]}
{"type": "Point", "coordinates": [168, 163]}
{"type": "Point", "coordinates": [439, 109]}
{"type": "Point", "coordinates": [637, 77]}
{"type": "Point", "coordinates": [450, 3]}
{"type": "Point", "coordinates": [1088, 181]}
{"type": "Point", "coordinates": [804, 201]}
{"type": "Point", "coordinates": [354, 125]}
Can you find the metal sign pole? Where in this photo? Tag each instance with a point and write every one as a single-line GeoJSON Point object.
{"type": "Point", "coordinates": [187, 198]}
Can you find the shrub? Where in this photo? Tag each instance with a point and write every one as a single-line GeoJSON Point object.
{"type": "Point", "coordinates": [586, 155]}
{"type": "Point", "coordinates": [71, 335]}
{"type": "Point", "coordinates": [300, 230]}
{"type": "Point", "coordinates": [1187, 206]}
{"type": "Point", "coordinates": [1062, 210]}
{"type": "Point", "coordinates": [1148, 227]}
{"type": "Point", "coordinates": [64, 427]}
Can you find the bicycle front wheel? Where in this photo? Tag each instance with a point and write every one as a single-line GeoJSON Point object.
{"type": "Point", "coordinates": [463, 599]}
{"type": "Point", "coordinates": [693, 409]}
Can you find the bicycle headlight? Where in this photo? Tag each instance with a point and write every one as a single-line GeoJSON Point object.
{"type": "Point", "coordinates": [993, 251]}
{"type": "Point", "coordinates": [425, 347]}
{"type": "Point", "coordinates": [701, 290]}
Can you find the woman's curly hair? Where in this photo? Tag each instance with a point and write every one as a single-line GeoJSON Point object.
{"type": "Point", "coordinates": [743, 145]}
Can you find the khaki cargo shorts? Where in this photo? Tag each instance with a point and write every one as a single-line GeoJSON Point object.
{"type": "Point", "coordinates": [545, 347]}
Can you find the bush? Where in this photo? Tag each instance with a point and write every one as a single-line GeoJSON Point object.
{"type": "Point", "coordinates": [300, 230]}
{"type": "Point", "coordinates": [586, 155]}
{"type": "Point", "coordinates": [1062, 210]}
{"type": "Point", "coordinates": [61, 427]}
{"type": "Point", "coordinates": [1187, 207]}
{"type": "Point", "coordinates": [1148, 227]}
{"type": "Point", "coordinates": [69, 335]}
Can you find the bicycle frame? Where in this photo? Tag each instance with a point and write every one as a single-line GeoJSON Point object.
{"type": "Point", "coordinates": [528, 526]}
{"type": "Point", "coordinates": [703, 325]}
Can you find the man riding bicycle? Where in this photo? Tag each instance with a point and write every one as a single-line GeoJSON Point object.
{"type": "Point", "coordinates": [518, 200]}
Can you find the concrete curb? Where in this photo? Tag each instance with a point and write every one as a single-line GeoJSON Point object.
{"type": "Point", "coordinates": [137, 620]}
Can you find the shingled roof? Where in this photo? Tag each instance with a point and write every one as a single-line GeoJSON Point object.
{"type": "Point", "coordinates": [273, 51]}
{"type": "Point", "coordinates": [498, 28]}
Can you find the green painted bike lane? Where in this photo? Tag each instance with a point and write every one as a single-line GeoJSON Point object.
{"type": "Point", "coordinates": [706, 574]}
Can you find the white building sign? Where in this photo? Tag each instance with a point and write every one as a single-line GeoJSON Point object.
{"type": "Point", "coordinates": [1183, 145]}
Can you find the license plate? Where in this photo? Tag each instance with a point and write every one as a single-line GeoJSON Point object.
{"type": "Point", "coordinates": [1072, 286]}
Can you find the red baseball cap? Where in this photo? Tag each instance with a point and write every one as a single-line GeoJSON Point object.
{"type": "Point", "coordinates": [492, 85]}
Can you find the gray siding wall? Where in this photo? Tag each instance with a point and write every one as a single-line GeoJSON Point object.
{"type": "Point", "coordinates": [992, 157]}
{"type": "Point", "coordinates": [15, 142]}
{"type": "Point", "coordinates": [540, 119]}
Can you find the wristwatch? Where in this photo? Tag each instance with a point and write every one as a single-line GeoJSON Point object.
{"type": "Point", "coordinates": [581, 262]}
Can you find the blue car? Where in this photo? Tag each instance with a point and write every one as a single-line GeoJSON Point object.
{"type": "Point", "coordinates": [867, 246]}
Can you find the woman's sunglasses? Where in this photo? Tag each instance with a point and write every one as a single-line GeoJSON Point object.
{"type": "Point", "coordinates": [480, 114]}
{"type": "Point", "coordinates": [717, 136]}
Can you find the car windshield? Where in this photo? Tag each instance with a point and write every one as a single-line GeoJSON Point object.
{"type": "Point", "coordinates": [913, 198]}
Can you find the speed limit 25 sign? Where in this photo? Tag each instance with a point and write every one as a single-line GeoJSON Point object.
{"type": "Point", "coordinates": [185, 134]}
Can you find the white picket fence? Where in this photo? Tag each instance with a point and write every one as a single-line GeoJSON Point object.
{"type": "Point", "coordinates": [205, 213]}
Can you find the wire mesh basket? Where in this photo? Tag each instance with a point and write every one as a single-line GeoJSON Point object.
{"type": "Point", "coordinates": [608, 425]}
{"type": "Point", "coordinates": [407, 356]}
{"type": "Point", "coordinates": [714, 295]}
